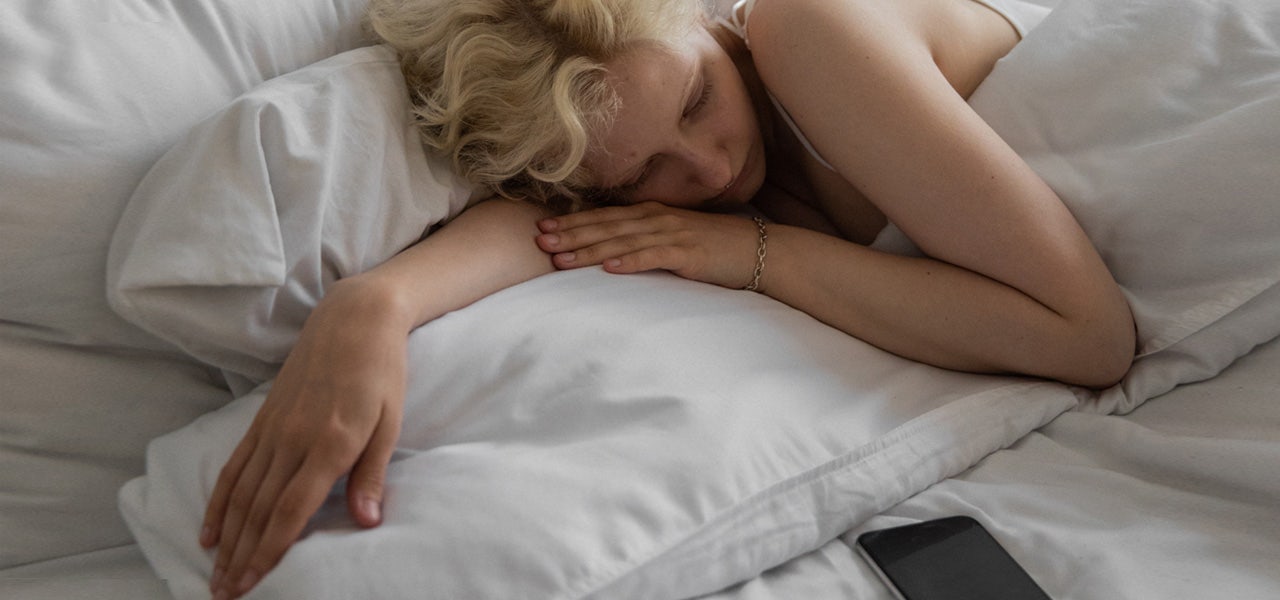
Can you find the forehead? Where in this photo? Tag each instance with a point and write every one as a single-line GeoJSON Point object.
{"type": "Point", "coordinates": [651, 82]}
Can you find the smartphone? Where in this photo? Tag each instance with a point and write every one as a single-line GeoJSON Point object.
{"type": "Point", "coordinates": [953, 558]}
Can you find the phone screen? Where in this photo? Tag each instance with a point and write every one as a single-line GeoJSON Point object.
{"type": "Point", "coordinates": [947, 559]}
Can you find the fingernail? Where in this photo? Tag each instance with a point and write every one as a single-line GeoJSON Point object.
{"type": "Point", "coordinates": [247, 582]}
{"type": "Point", "coordinates": [613, 263]}
{"type": "Point", "coordinates": [371, 510]}
{"type": "Point", "coordinates": [551, 239]}
{"type": "Point", "coordinates": [548, 224]}
{"type": "Point", "coordinates": [206, 535]}
{"type": "Point", "coordinates": [567, 257]}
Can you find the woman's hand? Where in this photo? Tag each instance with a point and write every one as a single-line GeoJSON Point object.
{"type": "Point", "coordinates": [336, 406]}
{"type": "Point", "coordinates": [708, 247]}
{"type": "Point", "coordinates": [334, 409]}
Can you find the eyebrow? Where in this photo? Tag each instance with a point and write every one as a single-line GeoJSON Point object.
{"type": "Point", "coordinates": [687, 98]}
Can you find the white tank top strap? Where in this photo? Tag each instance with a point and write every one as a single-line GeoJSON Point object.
{"type": "Point", "coordinates": [1022, 14]}
{"type": "Point", "coordinates": [736, 20]}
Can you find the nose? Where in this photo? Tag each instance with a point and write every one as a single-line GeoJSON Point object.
{"type": "Point", "coordinates": [709, 164]}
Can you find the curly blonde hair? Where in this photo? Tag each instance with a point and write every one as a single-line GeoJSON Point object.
{"type": "Point", "coordinates": [511, 90]}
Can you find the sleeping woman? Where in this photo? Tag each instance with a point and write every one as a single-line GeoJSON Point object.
{"type": "Point", "coordinates": [635, 135]}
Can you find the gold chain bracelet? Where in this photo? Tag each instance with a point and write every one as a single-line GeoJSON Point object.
{"type": "Point", "coordinates": [760, 252]}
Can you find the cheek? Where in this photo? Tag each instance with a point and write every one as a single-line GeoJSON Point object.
{"type": "Point", "coordinates": [741, 118]}
{"type": "Point", "coordinates": [679, 194]}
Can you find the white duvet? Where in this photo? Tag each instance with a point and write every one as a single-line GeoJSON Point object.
{"type": "Point", "coordinates": [586, 435]}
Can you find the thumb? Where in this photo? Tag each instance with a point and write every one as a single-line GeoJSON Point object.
{"type": "Point", "coordinates": [366, 484]}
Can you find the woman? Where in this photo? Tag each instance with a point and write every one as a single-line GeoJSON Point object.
{"type": "Point", "coordinates": [833, 119]}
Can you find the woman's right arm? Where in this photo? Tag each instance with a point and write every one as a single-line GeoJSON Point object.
{"type": "Point", "coordinates": [335, 406]}
{"type": "Point", "coordinates": [487, 248]}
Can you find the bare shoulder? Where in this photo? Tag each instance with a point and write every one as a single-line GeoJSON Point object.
{"type": "Point", "coordinates": [961, 38]}
{"type": "Point", "coordinates": [800, 40]}
{"type": "Point", "coordinates": [775, 22]}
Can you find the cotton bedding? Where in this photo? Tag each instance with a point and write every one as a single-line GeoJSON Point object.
{"type": "Point", "coordinates": [92, 94]}
{"type": "Point", "coordinates": [585, 435]}
{"type": "Point", "coordinates": [1175, 500]}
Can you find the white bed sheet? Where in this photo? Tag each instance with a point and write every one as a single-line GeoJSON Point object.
{"type": "Point", "coordinates": [93, 94]}
{"type": "Point", "coordinates": [1179, 499]}
{"type": "Point", "coordinates": [119, 573]}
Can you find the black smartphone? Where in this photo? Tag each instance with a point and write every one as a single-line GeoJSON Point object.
{"type": "Point", "coordinates": [953, 558]}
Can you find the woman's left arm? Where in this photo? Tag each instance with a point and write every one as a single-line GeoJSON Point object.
{"type": "Point", "coordinates": [1012, 282]}
{"type": "Point", "coordinates": [893, 125]}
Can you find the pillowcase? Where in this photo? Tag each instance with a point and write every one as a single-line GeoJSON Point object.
{"type": "Point", "coordinates": [237, 232]}
{"type": "Point", "coordinates": [94, 93]}
{"type": "Point", "coordinates": [1158, 124]}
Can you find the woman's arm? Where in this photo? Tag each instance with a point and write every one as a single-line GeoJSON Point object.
{"type": "Point", "coordinates": [1017, 285]}
{"type": "Point", "coordinates": [1012, 285]}
{"type": "Point", "coordinates": [335, 406]}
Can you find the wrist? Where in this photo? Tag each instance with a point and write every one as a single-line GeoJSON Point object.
{"type": "Point", "coordinates": [372, 301]}
{"type": "Point", "coordinates": [762, 239]}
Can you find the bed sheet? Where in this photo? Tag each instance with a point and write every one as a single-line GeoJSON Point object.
{"type": "Point", "coordinates": [1179, 499]}
{"type": "Point", "coordinates": [93, 94]}
{"type": "Point", "coordinates": [119, 573]}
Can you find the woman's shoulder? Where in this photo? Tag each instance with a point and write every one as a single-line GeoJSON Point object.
{"type": "Point", "coordinates": [811, 36]}
{"type": "Point", "coordinates": [769, 23]}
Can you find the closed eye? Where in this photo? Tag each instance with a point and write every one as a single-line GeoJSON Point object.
{"type": "Point", "coordinates": [702, 99]}
{"type": "Point", "coordinates": [635, 184]}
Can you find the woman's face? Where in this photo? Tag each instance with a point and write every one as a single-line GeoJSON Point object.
{"type": "Point", "coordinates": [685, 134]}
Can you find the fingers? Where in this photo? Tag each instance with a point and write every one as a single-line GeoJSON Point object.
{"type": "Point", "coordinates": [610, 236]}
{"type": "Point", "coordinates": [280, 517]}
{"type": "Point", "coordinates": [281, 500]}
{"type": "Point", "coordinates": [625, 254]}
{"type": "Point", "coordinates": [334, 404]}
{"type": "Point", "coordinates": [708, 247]}
{"type": "Point", "coordinates": [367, 480]}
{"type": "Point", "coordinates": [235, 515]}
{"type": "Point", "coordinates": [241, 533]}
{"type": "Point", "coordinates": [215, 513]}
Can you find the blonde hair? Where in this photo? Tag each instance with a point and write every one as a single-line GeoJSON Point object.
{"type": "Point", "coordinates": [512, 90]}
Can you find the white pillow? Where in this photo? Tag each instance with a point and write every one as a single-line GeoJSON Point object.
{"type": "Point", "coordinates": [1158, 123]}
{"type": "Point", "coordinates": [93, 94]}
{"type": "Point", "coordinates": [240, 228]}
{"type": "Point", "coordinates": [593, 435]}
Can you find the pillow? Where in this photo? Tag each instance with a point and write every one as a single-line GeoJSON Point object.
{"type": "Point", "coordinates": [1158, 124]}
{"type": "Point", "coordinates": [94, 93]}
{"type": "Point", "coordinates": [238, 230]}
{"type": "Point", "coordinates": [593, 435]}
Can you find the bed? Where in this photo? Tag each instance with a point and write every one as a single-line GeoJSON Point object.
{"type": "Point", "coordinates": [182, 179]}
